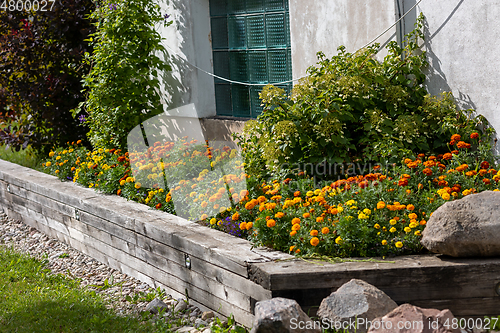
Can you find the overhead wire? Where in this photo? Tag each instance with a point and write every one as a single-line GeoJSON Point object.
{"type": "Point", "coordinates": [297, 79]}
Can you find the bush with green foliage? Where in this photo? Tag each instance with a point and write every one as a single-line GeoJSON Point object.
{"type": "Point", "coordinates": [352, 107]}
{"type": "Point", "coordinates": [41, 64]}
{"type": "Point", "coordinates": [123, 86]}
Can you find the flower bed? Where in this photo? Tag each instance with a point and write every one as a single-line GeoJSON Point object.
{"type": "Point", "coordinates": [377, 214]}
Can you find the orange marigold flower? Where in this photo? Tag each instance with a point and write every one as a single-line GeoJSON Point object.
{"type": "Point", "coordinates": [119, 192]}
{"type": "Point", "coordinates": [410, 207]}
{"type": "Point", "coordinates": [412, 216]}
{"type": "Point", "coordinates": [420, 186]}
{"type": "Point", "coordinates": [296, 194]}
{"type": "Point", "coordinates": [452, 143]}
{"type": "Point", "coordinates": [423, 222]}
{"type": "Point", "coordinates": [306, 215]}
{"type": "Point", "coordinates": [427, 172]}
{"type": "Point", "coordinates": [243, 225]}
{"type": "Point", "coordinates": [320, 219]}
{"type": "Point", "coordinates": [235, 217]}
{"type": "Point", "coordinates": [403, 182]}
{"type": "Point", "coordinates": [314, 232]}
{"type": "Point", "coordinates": [462, 167]}
{"type": "Point", "coordinates": [455, 152]}
{"type": "Point", "coordinates": [325, 230]}
{"type": "Point", "coordinates": [380, 205]}
{"type": "Point", "coordinates": [486, 181]}
{"type": "Point", "coordinates": [474, 135]}
{"type": "Point", "coordinates": [279, 215]}
{"type": "Point", "coordinates": [249, 225]}
{"type": "Point", "coordinates": [271, 223]}
{"type": "Point", "coordinates": [456, 137]}
{"type": "Point", "coordinates": [158, 206]}
{"type": "Point", "coordinates": [485, 165]}
{"type": "Point", "coordinates": [447, 156]}
{"type": "Point", "coordinates": [314, 241]}
{"type": "Point", "coordinates": [296, 227]}
{"type": "Point", "coordinates": [462, 144]}
{"type": "Point", "coordinates": [295, 220]}
{"type": "Point", "coordinates": [293, 233]}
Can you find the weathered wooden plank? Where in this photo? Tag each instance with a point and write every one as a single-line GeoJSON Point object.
{"type": "Point", "coordinates": [173, 282]}
{"type": "Point", "coordinates": [189, 276]}
{"type": "Point", "coordinates": [487, 306]}
{"type": "Point", "coordinates": [207, 269]}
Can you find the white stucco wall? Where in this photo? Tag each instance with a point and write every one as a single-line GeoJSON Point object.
{"type": "Point", "coordinates": [188, 91]}
{"type": "Point", "coordinates": [464, 53]}
{"type": "Point", "coordinates": [325, 25]}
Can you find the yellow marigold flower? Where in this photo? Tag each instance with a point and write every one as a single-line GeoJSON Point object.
{"type": "Point", "coordinates": [137, 185]}
{"type": "Point", "coordinates": [325, 230]}
{"type": "Point", "coordinates": [58, 158]}
{"type": "Point", "coordinates": [314, 233]}
{"type": "Point", "coordinates": [413, 224]}
{"type": "Point", "coordinates": [407, 229]}
{"type": "Point", "coordinates": [362, 216]}
{"type": "Point", "coordinates": [292, 247]}
{"type": "Point", "coordinates": [314, 241]}
{"type": "Point", "coordinates": [204, 216]}
{"type": "Point", "coordinates": [384, 242]}
{"type": "Point", "coordinates": [350, 203]}
{"type": "Point", "coordinates": [367, 211]}
{"type": "Point", "coordinates": [399, 245]}
{"type": "Point", "coordinates": [376, 226]}
{"type": "Point", "coordinates": [51, 154]}
{"type": "Point", "coordinates": [271, 223]}
{"type": "Point", "coordinates": [48, 164]}
{"type": "Point", "coordinates": [57, 171]}
{"type": "Point", "coordinates": [317, 191]}
{"type": "Point", "coordinates": [310, 193]}
{"type": "Point", "coordinates": [412, 216]}
{"type": "Point", "coordinates": [392, 230]}
{"type": "Point", "coordinates": [417, 233]}
{"type": "Point", "coordinates": [338, 240]}
{"type": "Point", "coordinates": [445, 196]}
{"type": "Point", "coordinates": [296, 227]}
{"type": "Point", "coordinates": [380, 205]}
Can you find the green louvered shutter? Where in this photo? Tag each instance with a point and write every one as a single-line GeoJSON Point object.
{"type": "Point", "coordinates": [250, 43]}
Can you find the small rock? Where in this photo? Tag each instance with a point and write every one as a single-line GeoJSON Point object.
{"type": "Point", "coordinates": [156, 305]}
{"type": "Point", "coordinates": [353, 301]}
{"type": "Point", "coordinates": [468, 227]}
{"type": "Point", "coordinates": [181, 306]}
{"type": "Point", "coordinates": [200, 322]}
{"type": "Point", "coordinates": [417, 320]}
{"type": "Point", "coordinates": [281, 315]}
{"type": "Point", "coordinates": [207, 315]}
{"type": "Point", "coordinates": [186, 329]}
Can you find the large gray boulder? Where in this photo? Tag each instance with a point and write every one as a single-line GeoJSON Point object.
{"type": "Point", "coordinates": [355, 302]}
{"type": "Point", "coordinates": [408, 318]}
{"type": "Point", "coordinates": [282, 315]}
{"type": "Point", "coordinates": [469, 227]}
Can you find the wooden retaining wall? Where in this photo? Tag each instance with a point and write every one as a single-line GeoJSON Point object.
{"type": "Point", "coordinates": [226, 274]}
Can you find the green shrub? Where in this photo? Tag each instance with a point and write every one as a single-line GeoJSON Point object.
{"type": "Point", "coordinates": [123, 86]}
{"type": "Point", "coordinates": [352, 107]}
{"type": "Point", "coordinates": [41, 64]}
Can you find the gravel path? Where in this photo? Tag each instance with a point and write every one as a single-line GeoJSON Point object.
{"type": "Point", "coordinates": [65, 260]}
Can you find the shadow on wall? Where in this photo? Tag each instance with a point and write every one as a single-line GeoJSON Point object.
{"type": "Point", "coordinates": [436, 79]}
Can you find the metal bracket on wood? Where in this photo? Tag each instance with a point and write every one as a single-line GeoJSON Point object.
{"type": "Point", "coordinates": [77, 215]}
{"type": "Point", "coordinates": [497, 288]}
{"type": "Point", "coordinates": [187, 261]}
{"type": "Point", "coordinates": [8, 188]}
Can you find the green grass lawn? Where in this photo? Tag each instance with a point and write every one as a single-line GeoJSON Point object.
{"type": "Point", "coordinates": [34, 300]}
{"type": "Point", "coordinates": [25, 157]}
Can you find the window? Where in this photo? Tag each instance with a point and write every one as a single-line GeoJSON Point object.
{"type": "Point", "coordinates": [251, 44]}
